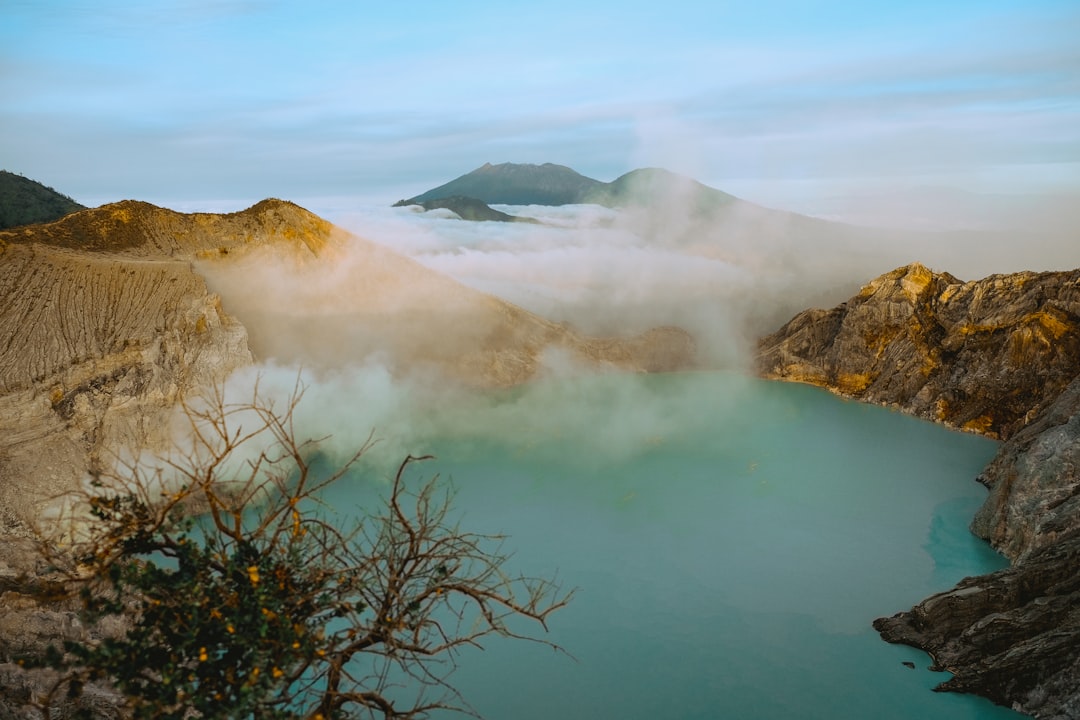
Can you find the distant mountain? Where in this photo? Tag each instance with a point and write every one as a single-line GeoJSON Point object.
{"type": "Point", "coordinates": [652, 186]}
{"type": "Point", "coordinates": [26, 202]}
{"type": "Point", "coordinates": [517, 184]}
{"type": "Point", "coordinates": [550, 184]}
{"type": "Point", "coordinates": [467, 208]}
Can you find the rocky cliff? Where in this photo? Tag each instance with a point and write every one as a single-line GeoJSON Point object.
{"type": "Point", "coordinates": [984, 356]}
{"type": "Point", "coordinates": [999, 356]}
{"type": "Point", "coordinates": [95, 350]}
{"type": "Point", "coordinates": [106, 325]}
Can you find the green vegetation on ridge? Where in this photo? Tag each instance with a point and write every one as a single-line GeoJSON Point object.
{"type": "Point", "coordinates": [25, 202]}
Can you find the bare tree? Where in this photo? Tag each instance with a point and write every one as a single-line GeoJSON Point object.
{"type": "Point", "coordinates": [243, 598]}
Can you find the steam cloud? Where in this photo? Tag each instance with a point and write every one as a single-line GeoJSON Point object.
{"type": "Point", "coordinates": [360, 325]}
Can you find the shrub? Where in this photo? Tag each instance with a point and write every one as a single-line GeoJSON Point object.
{"type": "Point", "coordinates": [242, 600]}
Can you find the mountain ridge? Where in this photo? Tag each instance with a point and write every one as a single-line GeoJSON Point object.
{"type": "Point", "coordinates": [551, 184]}
{"type": "Point", "coordinates": [515, 184]}
{"type": "Point", "coordinates": [27, 202]}
{"type": "Point", "coordinates": [138, 228]}
{"type": "Point", "coordinates": [983, 355]}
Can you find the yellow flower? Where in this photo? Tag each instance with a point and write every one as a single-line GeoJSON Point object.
{"type": "Point", "coordinates": [277, 672]}
{"type": "Point", "coordinates": [253, 574]}
{"type": "Point", "coordinates": [202, 655]}
{"type": "Point", "coordinates": [230, 629]}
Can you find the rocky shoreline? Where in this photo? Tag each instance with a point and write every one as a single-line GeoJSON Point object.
{"type": "Point", "coordinates": [999, 356]}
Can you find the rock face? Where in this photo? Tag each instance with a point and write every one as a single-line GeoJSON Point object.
{"type": "Point", "coordinates": [97, 349]}
{"type": "Point", "coordinates": [984, 356]}
{"type": "Point", "coordinates": [1012, 636]}
{"type": "Point", "coordinates": [999, 356]}
{"type": "Point", "coordinates": [106, 325]}
{"type": "Point", "coordinates": [1034, 482]}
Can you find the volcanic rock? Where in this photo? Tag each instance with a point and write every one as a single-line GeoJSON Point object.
{"type": "Point", "coordinates": [984, 356]}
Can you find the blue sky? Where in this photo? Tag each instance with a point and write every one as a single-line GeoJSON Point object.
{"type": "Point", "coordinates": [202, 103]}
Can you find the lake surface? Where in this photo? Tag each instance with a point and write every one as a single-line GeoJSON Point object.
{"type": "Point", "coordinates": [731, 541]}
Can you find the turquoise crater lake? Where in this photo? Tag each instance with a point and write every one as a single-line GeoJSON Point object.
{"type": "Point", "coordinates": [731, 540]}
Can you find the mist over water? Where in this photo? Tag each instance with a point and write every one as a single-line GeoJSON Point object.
{"type": "Point", "coordinates": [728, 275]}
{"type": "Point", "coordinates": [731, 541]}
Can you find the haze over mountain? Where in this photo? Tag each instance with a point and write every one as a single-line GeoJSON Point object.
{"type": "Point", "coordinates": [551, 184]}
{"type": "Point", "coordinates": [675, 210]}
{"type": "Point", "coordinates": [654, 248]}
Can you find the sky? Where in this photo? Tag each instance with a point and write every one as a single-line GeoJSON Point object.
{"type": "Point", "coordinates": [203, 105]}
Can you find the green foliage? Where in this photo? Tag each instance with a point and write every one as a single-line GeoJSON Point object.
{"type": "Point", "coordinates": [259, 608]}
{"type": "Point", "coordinates": [25, 202]}
{"type": "Point", "coordinates": [225, 626]}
